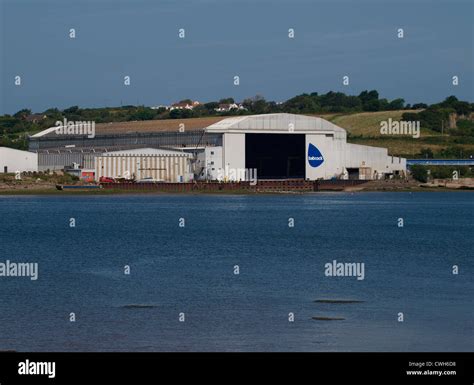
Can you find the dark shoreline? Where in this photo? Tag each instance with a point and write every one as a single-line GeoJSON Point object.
{"type": "Point", "coordinates": [108, 192]}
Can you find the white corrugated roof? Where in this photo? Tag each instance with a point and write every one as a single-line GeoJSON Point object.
{"type": "Point", "coordinates": [146, 151]}
{"type": "Point", "coordinates": [14, 150]}
{"type": "Point", "coordinates": [275, 122]}
{"type": "Point", "coordinates": [45, 132]}
{"type": "Point", "coordinates": [55, 128]}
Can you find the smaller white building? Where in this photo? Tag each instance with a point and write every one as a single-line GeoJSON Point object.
{"type": "Point", "coordinates": [209, 163]}
{"type": "Point", "coordinates": [12, 160]}
{"type": "Point", "coordinates": [145, 163]}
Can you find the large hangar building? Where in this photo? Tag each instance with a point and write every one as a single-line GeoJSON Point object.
{"type": "Point", "coordinates": [278, 146]}
{"type": "Point", "coordinates": [298, 146]}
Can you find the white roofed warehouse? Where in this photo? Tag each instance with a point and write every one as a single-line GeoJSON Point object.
{"type": "Point", "coordinates": [297, 146]}
{"type": "Point", "coordinates": [277, 146]}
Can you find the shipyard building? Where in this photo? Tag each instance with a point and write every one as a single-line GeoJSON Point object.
{"type": "Point", "coordinates": [156, 165]}
{"type": "Point", "coordinates": [277, 146]}
{"type": "Point", "coordinates": [12, 160]}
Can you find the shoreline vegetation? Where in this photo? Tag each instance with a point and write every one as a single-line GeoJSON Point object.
{"type": "Point", "coordinates": [47, 184]}
{"type": "Point", "coordinates": [369, 187]}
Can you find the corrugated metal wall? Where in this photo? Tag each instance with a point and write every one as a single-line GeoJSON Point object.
{"type": "Point", "coordinates": [157, 139]}
{"type": "Point", "coordinates": [161, 167]}
{"type": "Point", "coordinates": [57, 161]}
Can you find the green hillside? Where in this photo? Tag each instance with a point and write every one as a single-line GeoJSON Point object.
{"type": "Point", "coordinates": [368, 123]}
{"type": "Point", "coordinates": [361, 115]}
{"type": "Point", "coordinates": [364, 128]}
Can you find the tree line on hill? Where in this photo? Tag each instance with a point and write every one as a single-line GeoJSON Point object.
{"type": "Point", "coordinates": [437, 117]}
{"type": "Point", "coordinates": [14, 129]}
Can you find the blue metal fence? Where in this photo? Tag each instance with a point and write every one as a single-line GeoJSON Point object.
{"type": "Point", "coordinates": [441, 162]}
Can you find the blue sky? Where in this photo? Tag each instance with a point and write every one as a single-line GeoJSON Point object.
{"type": "Point", "coordinates": [224, 38]}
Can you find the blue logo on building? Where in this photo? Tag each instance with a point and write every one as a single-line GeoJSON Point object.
{"type": "Point", "coordinates": [315, 158]}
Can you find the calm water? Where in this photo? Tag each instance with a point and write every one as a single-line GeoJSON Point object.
{"type": "Point", "coordinates": [190, 270]}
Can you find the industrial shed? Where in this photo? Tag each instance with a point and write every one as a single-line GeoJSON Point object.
{"type": "Point", "coordinates": [278, 146]}
{"type": "Point", "coordinates": [12, 160]}
{"type": "Point", "coordinates": [117, 136]}
{"type": "Point", "coordinates": [283, 146]}
{"type": "Point", "coordinates": [138, 164]}
{"type": "Point", "coordinates": [59, 151]}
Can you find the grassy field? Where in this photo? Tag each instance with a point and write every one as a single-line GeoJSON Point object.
{"type": "Point", "coordinates": [364, 128]}
{"type": "Point", "coordinates": [410, 147]}
{"type": "Point", "coordinates": [368, 123]}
